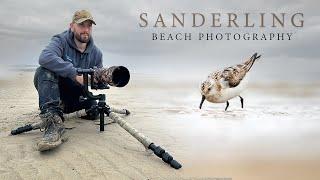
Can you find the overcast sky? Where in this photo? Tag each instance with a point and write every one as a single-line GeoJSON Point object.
{"type": "Point", "coordinates": [27, 26]}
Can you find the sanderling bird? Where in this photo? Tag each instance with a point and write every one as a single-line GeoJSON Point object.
{"type": "Point", "coordinates": [221, 86]}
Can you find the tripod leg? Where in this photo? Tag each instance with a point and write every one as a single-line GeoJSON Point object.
{"type": "Point", "coordinates": [120, 111]}
{"type": "Point", "coordinates": [101, 121]}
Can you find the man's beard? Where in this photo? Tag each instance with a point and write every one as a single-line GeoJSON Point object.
{"type": "Point", "coordinates": [81, 38]}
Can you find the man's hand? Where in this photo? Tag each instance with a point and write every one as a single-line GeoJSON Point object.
{"type": "Point", "coordinates": [79, 79]}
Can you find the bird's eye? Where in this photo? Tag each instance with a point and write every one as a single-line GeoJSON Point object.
{"type": "Point", "coordinates": [209, 89]}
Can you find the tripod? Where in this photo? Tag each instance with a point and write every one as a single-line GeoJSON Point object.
{"type": "Point", "coordinates": [102, 108]}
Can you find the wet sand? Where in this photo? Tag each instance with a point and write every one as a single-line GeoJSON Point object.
{"type": "Point", "coordinates": [275, 136]}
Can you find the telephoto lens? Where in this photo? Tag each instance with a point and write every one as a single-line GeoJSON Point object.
{"type": "Point", "coordinates": [117, 76]}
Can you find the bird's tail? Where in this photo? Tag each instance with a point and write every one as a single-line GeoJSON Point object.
{"type": "Point", "coordinates": [248, 64]}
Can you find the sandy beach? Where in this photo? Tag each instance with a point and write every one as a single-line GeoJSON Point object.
{"type": "Point", "coordinates": [275, 136]}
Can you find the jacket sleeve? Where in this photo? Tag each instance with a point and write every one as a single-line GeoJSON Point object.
{"type": "Point", "coordinates": [51, 58]}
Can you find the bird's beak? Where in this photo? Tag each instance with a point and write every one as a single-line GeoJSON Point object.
{"type": "Point", "coordinates": [202, 100]}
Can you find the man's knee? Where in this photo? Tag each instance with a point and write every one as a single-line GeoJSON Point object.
{"type": "Point", "coordinates": [46, 83]}
{"type": "Point", "coordinates": [43, 74]}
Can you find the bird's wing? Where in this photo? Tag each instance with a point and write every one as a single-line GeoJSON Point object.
{"type": "Point", "coordinates": [234, 74]}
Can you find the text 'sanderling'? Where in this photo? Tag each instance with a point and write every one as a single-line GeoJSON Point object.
{"type": "Point", "coordinates": [219, 26]}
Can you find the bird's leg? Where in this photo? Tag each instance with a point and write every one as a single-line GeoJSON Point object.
{"type": "Point", "coordinates": [227, 106]}
{"type": "Point", "coordinates": [203, 98]}
{"type": "Point", "coordinates": [241, 100]}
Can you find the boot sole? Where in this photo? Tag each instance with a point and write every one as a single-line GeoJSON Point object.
{"type": "Point", "coordinates": [44, 146]}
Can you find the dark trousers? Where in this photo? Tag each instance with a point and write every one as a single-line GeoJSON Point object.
{"type": "Point", "coordinates": [59, 95]}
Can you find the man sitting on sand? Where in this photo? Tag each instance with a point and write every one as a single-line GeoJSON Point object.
{"type": "Point", "coordinates": [56, 80]}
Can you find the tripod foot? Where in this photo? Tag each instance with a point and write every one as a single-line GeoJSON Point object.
{"type": "Point", "coordinates": [165, 156]}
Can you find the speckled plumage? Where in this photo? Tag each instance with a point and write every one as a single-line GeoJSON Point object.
{"type": "Point", "coordinates": [220, 86]}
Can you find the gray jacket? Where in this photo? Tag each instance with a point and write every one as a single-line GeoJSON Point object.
{"type": "Point", "coordinates": [62, 57]}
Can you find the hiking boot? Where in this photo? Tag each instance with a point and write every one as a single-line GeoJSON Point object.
{"type": "Point", "coordinates": [54, 129]}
